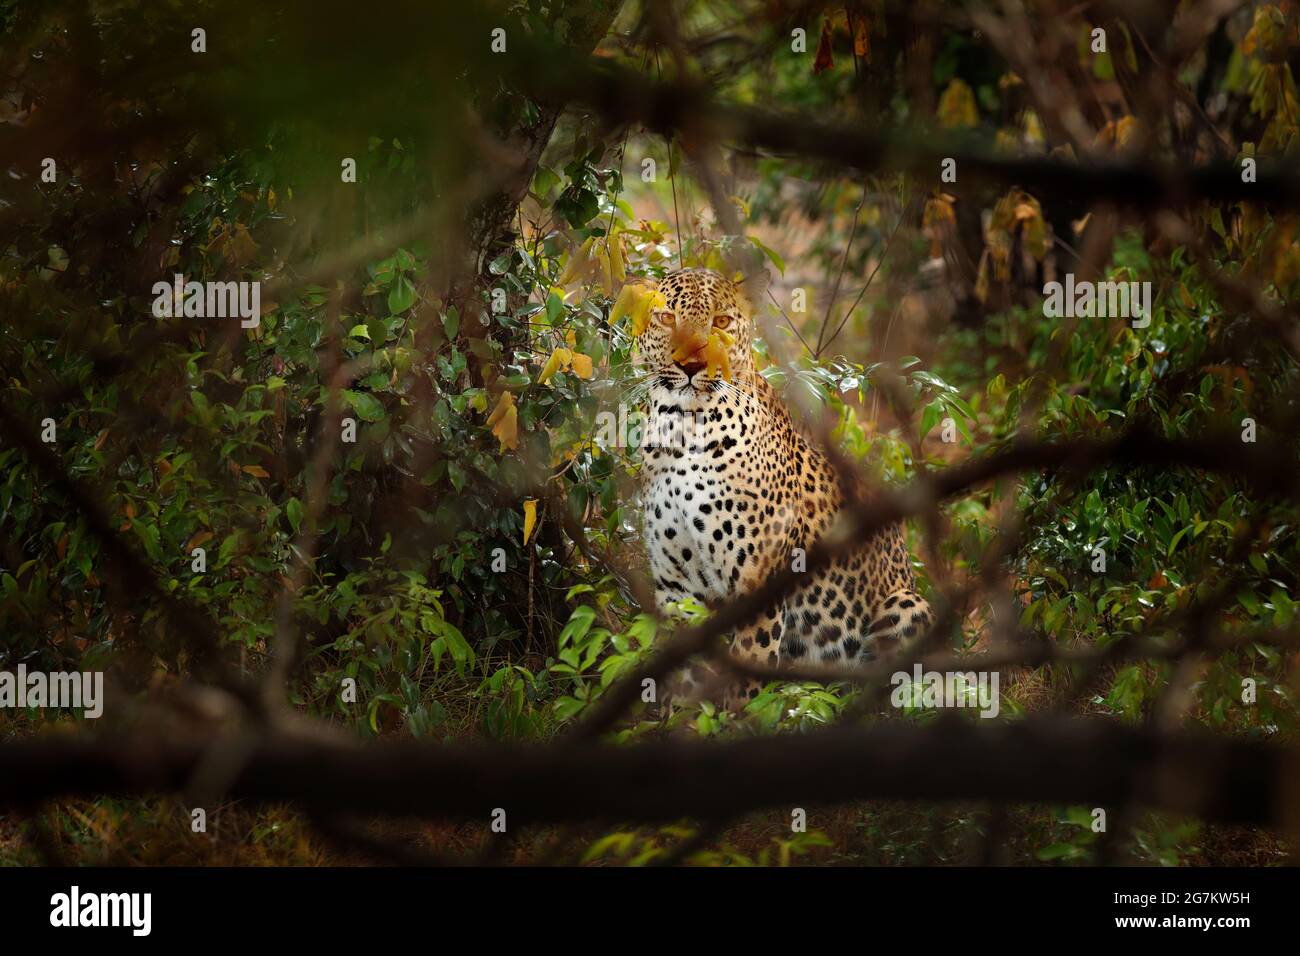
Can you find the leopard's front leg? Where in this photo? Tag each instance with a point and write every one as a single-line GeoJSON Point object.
{"type": "Point", "coordinates": [758, 645]}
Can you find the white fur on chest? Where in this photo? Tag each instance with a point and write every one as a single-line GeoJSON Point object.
{"type": "Point", "coordinates": [694, 478]}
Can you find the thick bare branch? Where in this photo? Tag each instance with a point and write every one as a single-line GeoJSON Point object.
{"type": "Point", "coordinates": [1087, 762]}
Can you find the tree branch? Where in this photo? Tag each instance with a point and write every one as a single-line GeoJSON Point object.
{"type": "Point", "coordinates": [1089, 762]}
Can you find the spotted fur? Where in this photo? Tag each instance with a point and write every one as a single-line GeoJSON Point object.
{"type": "Point", "coordinates": [732, 489]}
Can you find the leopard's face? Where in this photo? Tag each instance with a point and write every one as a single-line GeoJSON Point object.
{"type": "Point", "coordinates": [672, 349]}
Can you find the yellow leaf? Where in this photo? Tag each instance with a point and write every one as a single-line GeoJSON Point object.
{"type": "Point", "coordinates": [582, 365]}
{"type": "Point", "coordinates": [957, 106]}
{"type": "Point", "coordinates": [618, 268]}
{"type": "Point", "coordinates": [504, 402]}
{"type": "Point", "coordinates": [606, 272]}
{"type": "Point", "coordinates": [1270, 36]}
{"type": "Point", "coordinates": [1017, 210]}
{"type": "Point", "coordinates": [939, 210]}
{"type": "Point", "coordinates": [715, 354]}
{"type": "Point", "coordinates": [257, 471]}
{"type": "Point", "coordinates": [646, 303]}
{"type": "Point", "coordinates": [624, 304]}
{"type": "Point", "coordinates": [507, 430]}
{"type": "Point", "coordinates": [504, 421]}
{"type": "Point", "coordinates": [559, 359]}
{"type": "Point", "coordinates": [938, 220]}
{"type": "Point", "coordinates": [1117, 133]}
{"type": "Point", "coordinates": [530, 518]}
{"type": "Point", "coordinates": [578, 264]}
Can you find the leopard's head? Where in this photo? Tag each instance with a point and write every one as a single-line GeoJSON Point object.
{"type": "Point", "coordinates": [698, 302]}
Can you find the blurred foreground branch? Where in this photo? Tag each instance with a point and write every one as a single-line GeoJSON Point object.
{"type": "Point", "coordinates": [1087, 762]}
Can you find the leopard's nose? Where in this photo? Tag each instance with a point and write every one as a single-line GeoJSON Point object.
{"type": "Point", "coordinates": [690, 367]}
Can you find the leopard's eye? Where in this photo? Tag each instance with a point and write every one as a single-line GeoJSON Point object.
{"type": "Point", "coordinates": [722, 321]}
{"type": "Point", "coordinates": [666, 319]}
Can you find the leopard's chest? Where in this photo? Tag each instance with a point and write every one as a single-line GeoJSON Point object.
{"type": "Point", "coordinates": [704, 495]}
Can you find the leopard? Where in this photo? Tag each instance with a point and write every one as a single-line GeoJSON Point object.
{"type": "Point", "coordinates": [732, 491]}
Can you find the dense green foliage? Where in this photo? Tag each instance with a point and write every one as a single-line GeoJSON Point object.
{"type": "Point", "coordinates": [414, 575]}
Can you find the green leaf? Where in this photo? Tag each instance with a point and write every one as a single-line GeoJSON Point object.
{"type": "Point", "coordinates": [461, 652]}
{"type": "Point", "coordinates": [776, 260]}
{"type": "Point", "coordinates": [367, 407]}
{"type": "Point", "coordinates": [382, 271]}
{"type": "Point", "coordinates": [401, 296]}
{"type": "Point", "coordinates": [1058, 850]}
{"type": "Point", "coordinates": [227, 550]}
{"type": "Point", "coordinates": [545, 180]}
{"type": "Point", "coordinates": [148, 535]}
{"type": "Point", "coordinates": [579, 624]}
{"type": "Point", "coordinates": [930, 416]}
{"type": "Point", "coordinates": [293, 509]}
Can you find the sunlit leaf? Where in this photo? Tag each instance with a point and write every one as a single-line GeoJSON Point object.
{"type": "Point", "coordinates": [504, 422]}
{"type": "Point", "coordinates": [530, 518]}
{"type": "Point", "coordinates": [560, 359]}
{"type": "Point", "coordinates": [957, 109]}
{"type": "Point", "coordinates": [581, 365]}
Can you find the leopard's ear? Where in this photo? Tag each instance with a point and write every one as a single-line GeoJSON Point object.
{"type": "Point", "coordinates": [753, 284]}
